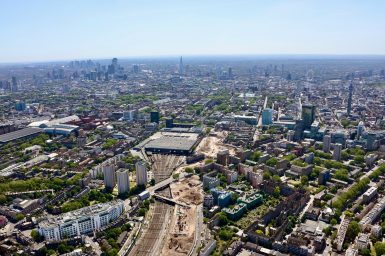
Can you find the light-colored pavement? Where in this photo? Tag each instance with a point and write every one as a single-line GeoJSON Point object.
{"type": "Point", "coordinates": [198, 231]}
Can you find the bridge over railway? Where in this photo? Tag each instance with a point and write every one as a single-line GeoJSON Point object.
{"type": "Point", "coordinates": [170, 201]}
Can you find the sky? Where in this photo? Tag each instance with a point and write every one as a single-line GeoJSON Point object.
{"type": "Point", "coordinates": [48, 30]}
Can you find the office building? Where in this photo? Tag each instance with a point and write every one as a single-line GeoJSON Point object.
{"type": "Point", "coordinates": [129, 115]}
{"type": "Point", "coordinates": [267, 116]}
{"type": "Point", "coordinates": [123, 180]}
{"type": "Point", "coordinates": [169, 123]}
{"type": "Point", "coordinates": [360, 129]}
{"type": "Point", "coordinates": [141, 173]}
{"type": "Point", "coordinates": [14, 84]}
{"type": "Point", "coordinates": [20, 106]}
{"type": "Point", "coordinates": [337, 152]}
{"type": "Point", "coordinates": [181, 67]}
{"type": "Point", "coordinates": [135, 69]}
{"type": "Point", "coordinates": [224, 199]}
{"type": "Point", "coordinates": [154, 117]}
{"type": "Point", "coordinates": [80, 222]}
{"type": "Point", "coordinates": [251, 120]}
{"type": "Point", "coordinates": [326, 143]}
{"type": "Point", "coordinates": [109, 176]}
{"type": "Point", "coordinates": [308, 115]}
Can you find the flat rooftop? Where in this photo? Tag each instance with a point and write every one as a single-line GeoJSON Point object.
{"type": "Point", "coordinates": [19, 134]}
{"type": "Point", "coordinates": [79, 213]}
{"type": "Point", "coordinates": [171, 141]}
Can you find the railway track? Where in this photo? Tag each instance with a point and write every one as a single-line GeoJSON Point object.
{"type": "Point", "coordinates": [164, 165]}
{"type": "Point", "coordinates": [149, 242]}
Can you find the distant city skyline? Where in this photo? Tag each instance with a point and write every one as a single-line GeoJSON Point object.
{"type": "Point", "coordinates": [42, 30]}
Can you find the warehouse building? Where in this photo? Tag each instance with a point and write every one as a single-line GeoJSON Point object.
{"type": "Point", "coordinates": [172, 143]}
{"type": "Point", "coordinates": [25, 133]}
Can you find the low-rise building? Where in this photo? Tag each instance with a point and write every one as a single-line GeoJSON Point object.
{"type": "Point", "coordinates": [81, 221]}
{"type": "Point", "coordinates": [362, 241]}
{"type": "Point", "coordinates": [251, 200]}
{"type": "Point", "coordinates": [236, 212]}
{"type": "Point", "coordinates": [369, 194]}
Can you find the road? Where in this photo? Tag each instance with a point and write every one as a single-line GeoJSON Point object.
{"type": "Point", "coordinates": [164, 183]}
{"type": "Point", "coordinates": [198, 231]}
{"type": "Point", "coordinates": [130, 239]}
{"type": "Point", "coordinates": [260, 114]}
{"type": "Point", "coordinates": [307, 206]}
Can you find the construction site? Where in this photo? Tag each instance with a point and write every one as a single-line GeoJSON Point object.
{"type": "Point", "coordinates": [212, 144]}
{"type": "Point", "coordinates": [184, 222]}
{"type": "Point", "coordinates": [156, 225]}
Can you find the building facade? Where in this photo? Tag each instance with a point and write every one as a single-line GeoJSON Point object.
{"type": "Point", "coordinates": [141, 173]}
{"type": "Point", "coordinates": [82, 221]}
{"type": "Point", "coordinates": [123, 180]}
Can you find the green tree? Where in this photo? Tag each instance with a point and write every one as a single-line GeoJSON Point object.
{"type": "Point", "coordinates": [365, 252]}
{"type": "Point", "coordinates": [223, 220]}
{"type": "Point", "coordinates": [276, 192]}
{"type": "Point", "coordinates": [19, 216]}
{"type": "Point", "coordinates": [142, 212]}
{"type": "Point", "coordinates": [36, 236]}
{"type": "Point", "coordinates": [255, 156]}
{"type": "Point", "coordinates": [380, 248]}
{"type": "Point", "coordinates": [189, 170]}
{"type": "Point", "coordinates": [226, 234]}
{"type": "Point", "coordinates": [352, 231]}
{"type": "Point", "coordinates": [304, 180]}
{"type": "Point", "coordinates": [276, 178]}
{"type": "Point", "coordinates": [266, 176]}
{"type": "Point", "coordinates": [342, 174]}
{"type": "Point", "coordinates": [272, 162]}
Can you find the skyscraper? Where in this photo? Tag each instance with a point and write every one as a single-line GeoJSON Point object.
{"type": "Point", "coordinates": [267, 116]}
{"type": "Point", "coordinates": [20, 106]}
{"type": "Point", "coordinates": [123, 181]}
{"type": "Point", "coordinates": [154, 117]}
{"type": "Point", "coordinates": [308, 115]}
{"type": "Point", "coordinates": [14, 84]}
{"type": "Point", "coordinates": [360, 129]}
{"type": "Point", "coordinates": [230, 73]}
{"type": "Point", "coordinates": [109, 176]}
{"type": "Point", "coordinates": [350, 98]}
{"type": "Point", "coordinates": [181, 68]}
{"type": "Point", "coordinates": [141, 173]}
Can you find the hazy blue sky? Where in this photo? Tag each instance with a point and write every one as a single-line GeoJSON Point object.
{"type": "Point", "coordinates": [35, 30]}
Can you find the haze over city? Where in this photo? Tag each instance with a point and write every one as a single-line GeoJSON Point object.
{"type": "Point", "coordinates": [62, 30]}
{"type": "Point", "coordinates": [192, 128]}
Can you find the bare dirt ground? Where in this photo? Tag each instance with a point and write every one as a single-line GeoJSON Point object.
{"type": "Point", "coordinates": [180, 238]}
{"type": "Point", "coordinates": [212, 144]}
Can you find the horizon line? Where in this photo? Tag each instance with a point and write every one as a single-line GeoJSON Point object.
{"type": "Point", "coordinates": [169, 56]}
